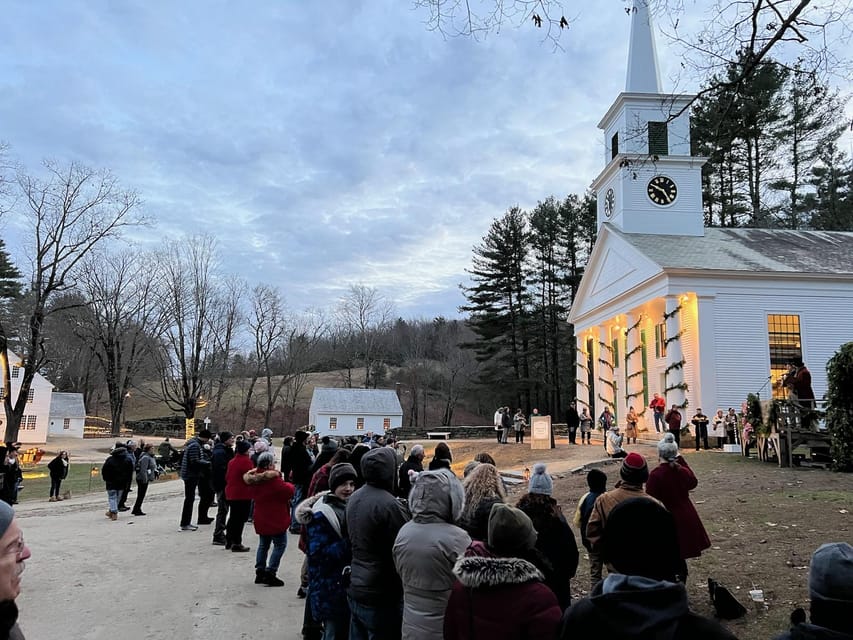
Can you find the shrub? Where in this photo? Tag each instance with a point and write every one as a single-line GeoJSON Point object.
{"type": "Point", "coordinates": [839, 411]}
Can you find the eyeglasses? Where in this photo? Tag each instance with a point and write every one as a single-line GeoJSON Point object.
{"type": "Point", "coordinates": [18, 548]}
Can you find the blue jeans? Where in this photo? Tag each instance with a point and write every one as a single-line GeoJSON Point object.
{"type": "Point", "coordinates": [660, 425]}
{"type": "Point", "coordinates": [298, 496]}
{"type": "Point", "coordinates": [375, 622]}
{"type": "Point", "coordinates": [336, 628]}
{"type": "Point", "coordinates": [279, 544]}
{"type": "Point", "coordinates": [113, 495]}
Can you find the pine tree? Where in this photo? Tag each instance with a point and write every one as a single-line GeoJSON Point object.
{"type": "Point", "coordinates": [10, 277]}
{"type": "Point", "coordinates": [830, 207]}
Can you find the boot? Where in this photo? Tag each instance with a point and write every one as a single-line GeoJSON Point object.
{"type": "Point", "coordinates": [273, 581]}
{"type": "Point", "coordinates": [52, 499]}
{"type": "Point", "coordinates": [261, 576]}
{"type": "Point", "coordinates": [113, 515]}
{"type": "Point", "coordinates": [108, 514]}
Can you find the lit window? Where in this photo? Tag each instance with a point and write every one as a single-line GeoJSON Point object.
{"type": "Point", "coordinates": [660, 340]}
{"type": "Point", "coordinates": [16, 371]}
{"type": "Point", "coordinates": [783, 337]}
{"type": "Point", "coordinates": [333, 423]}
{"type": "Point", "coordinates": [31, 394]}
{"type": "Point", "coordinates": [359, 424]}
{"type": "Point", "coordinates": [386, 423]}
{"type": "Point", "coordinates": [28, 423]}
{"type": "Point", "coordinates": [66, 423]}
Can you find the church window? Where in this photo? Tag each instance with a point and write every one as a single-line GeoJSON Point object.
{"type": "Point", "coordinates": [28, 423]}
{"type": "Point", "coordinates": [614, 145]}
{"type": "Point", "coordinates": [31, 394]}
{"type": "Point", "coordinates": [783, 333]}
{"type": "Point", "coordinates": [333, 423]}
{"type": "Point", "coordinates": [658, 139]}
{"type": "Point", "coordinates": [359, 424]}
{"type": "Point", "coordinates": [66, 423]}
{"type": "Point", "coordinates": [16, 371]}
{"type": "Point", "coordinates": [386, 423]}
{"type": "Point", "coordinates": [660, 340]}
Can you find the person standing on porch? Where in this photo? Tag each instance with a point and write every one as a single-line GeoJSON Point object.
{"type": "Point", "coordinates": [498, 423]}
{"type": "Point", "coordinates": [631, 421]}
{"type": "Point", "coordinates": [519, 423]}
{"type": "Point", "coordinates": [658, 406]}
{"type": "Point", "coordinates": [586, 425]}
{"type": "Point", "coordinates": [700, 422]}
{"type": "Point", "coordinates": [718, 428]}
{"type": "Point", "coordinates": [673, 422]}
{"type": "Point", "coordinates": [506, 425]}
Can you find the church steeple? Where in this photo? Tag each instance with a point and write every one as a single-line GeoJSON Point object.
{"type": "Point", "coordinates": [643, 74]}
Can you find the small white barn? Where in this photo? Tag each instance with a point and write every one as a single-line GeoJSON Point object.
{"type": "Point", "coordinates": [702, 316]}
{"type": "Point", "coordinates": [67, 415]}
{"type": "Point", "coordinates": [34, 423]}
{"type": "Point", "coordinates": [352, 412]}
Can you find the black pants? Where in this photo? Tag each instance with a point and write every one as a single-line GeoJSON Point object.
{"type": "Point", "coordinates": [221, 515]}
{"type": "Point", "coordinates": [237, 517]}
{"type": "Point", "coordinates": [190, 485]}
{"type": "Point", "coordinates": [500, 433]}
{"type": "Point", "coordinates": [702, 434]}
{"type": "Point", "coordinates": [54, 487]}
{"type": "Point", "coordinates": [677, 434]}
{"type": "Point", "coordinates": [205, 497]}
{"type": "Point", "coordinates": [519, 437]}
{"type": "Point", "coordinates": [123, 499]}
{"type": "Point", "coordinates": [141, 490]}
{"type": "Point", "coordinates": [572, 435]}
{"type": "Point", "coordinates": [720, 442]}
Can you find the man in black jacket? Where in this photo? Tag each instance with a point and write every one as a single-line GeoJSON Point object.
{"type": "Point", "coordinates": [373, 519]}
{"type": "Point", "coordinates": [222, 453]}
{"type": "Point", "coordinates": [299, 462]}
{"type": "Point", "coordinates": [192, 473]}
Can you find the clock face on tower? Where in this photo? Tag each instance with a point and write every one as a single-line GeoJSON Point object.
{"type": "Point", "coordinates": [609, 202]}
{"type": "Point", "coordinates": [662, 190]}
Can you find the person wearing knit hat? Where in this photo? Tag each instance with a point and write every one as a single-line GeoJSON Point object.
{"type": "Point", "coordinates": [540, 481]}
{"type": "Point", "coordinates": [238, 495]}
{"type": "Point", "coordinates": [223, 453]}
{"type": "Point", "coordinates": [671, 482]}
{"type": "Point", "coordinates": [555, 540]}
{"type": "Point", "coordinates": [831, 595]}
{"type": "Point", "coordinates": [500, 588]}
{"type": "Point", "coordinates": [633, 472]}
{"type": "Point", "coordinates": [15, 552]}
{"type": "Point", "coordinates": [327, 553]}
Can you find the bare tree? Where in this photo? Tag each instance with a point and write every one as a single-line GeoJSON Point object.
{"type": "Point", "coordinates": [121, 322]}
{"type": "Point", "coordinates": [227, 318]}
{"type": "Point", "coordinates": [70, 212]}
{"type": "Point", "coordinates": [363, 312]}
{"type": "Point", "coordinates": [190, 293]}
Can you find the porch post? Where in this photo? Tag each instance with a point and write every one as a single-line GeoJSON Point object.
{"type": "Point", "coordinates": [605, 372]}
{"type": "Point", "coordinates": [674, 355]}
{"type": "Point", "coordinates": [633, 365]}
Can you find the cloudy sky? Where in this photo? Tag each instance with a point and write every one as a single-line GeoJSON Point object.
{"type": "Point", "coordinates": [322, 143]}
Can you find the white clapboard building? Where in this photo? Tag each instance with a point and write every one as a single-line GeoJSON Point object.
{"type": "Point", "coordinates": [351, 412]}
{"type": "Point", "coordinates": [67, 415]}
{"type": "Point", "coordinates": [702, 316]}
{"type": "Point", "coordinates": [34, 423]}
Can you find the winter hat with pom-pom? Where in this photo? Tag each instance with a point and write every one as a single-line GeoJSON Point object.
{"type": "Point", "coordinates": [540, 481]}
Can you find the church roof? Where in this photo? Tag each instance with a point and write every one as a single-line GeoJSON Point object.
{"type": "Point", "coordinates": [356, 401]}
{"type": "Point", "coordinates": [751, 250]}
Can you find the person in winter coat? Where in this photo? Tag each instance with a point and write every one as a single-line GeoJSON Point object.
{"type": "Point", "coordinates": [613, 442]}
{"type": "Point", "coordinates": [718, 429]}
{"type": "Point", "coordinates": [323, 519]}
{"type": "Point", "coordinates": [223, 452]}
{"type": "Point", "coordinates": [426, 549]}
{"type": "Point", "coordinates": [498, 594]}
{"type": "Point", "coordinates": [573, 421]}
{"type": "Point", "coordinates": [192, 474]}
{"type": "Point", "coordinates": [555, 539]}
{"type": "Point", "coordinates": [441, 457]}
{"type": "Point", "coordinates": [519, 422]}
{"type": "Point", "coordinates": [58, 468]}
{"type": "Point", "coordinates": [633, 473]}
{"type": "Point", "coordinates": [146, 471]}
{"type": "Point", "coordinates": [483, 488]}
{"type": "Point", "coordinates": [506, 425]}
{"type": "Point", "coordinates": [586, 426]}
{"type": "Point", "coordinates": [130, 452]}
{"type": "Point", "coordinates": [415, 462]}
{"type": "Point", "coordinates": [831, 595]}
{"type": "Point", "coordinates": [239, 496]}
{"type": "Point", "coordinates": [15, 553]}
{"type": "Point", "coordinates": [631, 421]}
{"type": "Point", "coordinates": [641, 598]}
{"type": "Point", "coordinates": [320, 479]}
{"type": "Point", "coordinates": [271, 517]}
{"type": "Point", "coordinates": [116, 472]}
{"type": "Point", "coordinates": [673, 422]}
{"type": "Point", "coordinates": [373, 520]}
{"type": "Point", "coordinates": [596, 480]}
{"type": "Point", "coordinates": [300, 462]}
{"type": "Point", "coordinates": [671, 482]}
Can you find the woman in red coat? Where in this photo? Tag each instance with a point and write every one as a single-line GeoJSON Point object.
{"type": "Point", "coordinates": [671, 483]}
{"type": "Point", "coordinates": [239, 496]}
{"type": "Point", "coordinates": [273, 497]}
{"type": "Point", "coordinates": [499, 595]}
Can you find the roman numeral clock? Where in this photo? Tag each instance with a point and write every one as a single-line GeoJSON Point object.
{"type": "Point", "coordinates": [662, 190]}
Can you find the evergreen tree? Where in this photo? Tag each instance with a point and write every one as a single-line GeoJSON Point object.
{"type": "Point", "coordinates": [10, 277]}
{"type": "Point", "coordinates": [499, 304]}
{"type": "Point", "coordinates": [830, 207]}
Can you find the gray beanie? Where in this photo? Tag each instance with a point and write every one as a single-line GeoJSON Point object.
{"type": "Point", "coordinates": [667, 448]}
{"type": "Point", "coordinates": [510, 530]}
{"type": "Point", "coordinates": [831, 573]}
{"type": "Point", "coordinates": [6, 515]}
{"type": "Point", "coordinates": [540, 481]}
{"type": "Point", "coordinates": [340, 473]}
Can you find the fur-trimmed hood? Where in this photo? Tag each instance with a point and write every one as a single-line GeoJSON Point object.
{"type": "Point", "coordinates": [477, 572]}
{"type": "Point", "coordinates": [305, 509]}
{"type": "Point", "coordinates": [256, 476]}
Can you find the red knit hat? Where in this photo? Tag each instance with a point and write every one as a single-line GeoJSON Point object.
{"type": "Point", "coordinates": [634, 469]}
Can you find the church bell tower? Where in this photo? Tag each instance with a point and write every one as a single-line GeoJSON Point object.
{"type": "Point", "coordinates": [650, 182]}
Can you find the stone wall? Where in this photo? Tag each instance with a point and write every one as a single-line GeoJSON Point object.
{"type": "Point", "coordinates": [464, 432]}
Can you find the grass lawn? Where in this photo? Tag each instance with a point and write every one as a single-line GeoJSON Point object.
{"type": "Point", "coordinates": [79, 482]}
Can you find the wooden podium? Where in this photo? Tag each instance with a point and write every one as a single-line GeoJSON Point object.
{"type": "Point", "coordinates": [540, 432]}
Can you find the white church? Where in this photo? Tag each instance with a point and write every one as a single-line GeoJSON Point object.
{"type": "Point", "coordinates": [701, 315]}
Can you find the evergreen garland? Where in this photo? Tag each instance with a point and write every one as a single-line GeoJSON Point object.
{"type": "Point", "coordinates": [681, 385]}
{"type": "Point", "coordinates": [603, 361]}
{"type": "Point", "coordinates": [637, 394]}
{"type": "Point", "coordinates": [604, 345]}
{"type": "Point", "coordinates": [635, 374]}
{"type": "Point", "coordinates": [635, 325]}
{"type": "Point", "coordinates": [667, 316]}
{"type": "Point", "coordinates": [675, 365]}
{"type": "Point", "coordinates": [633, 351]}
{"type": "Point", "coordinates": [677, 336]}
{"type": "Point", "coordinates": [609, 383]}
